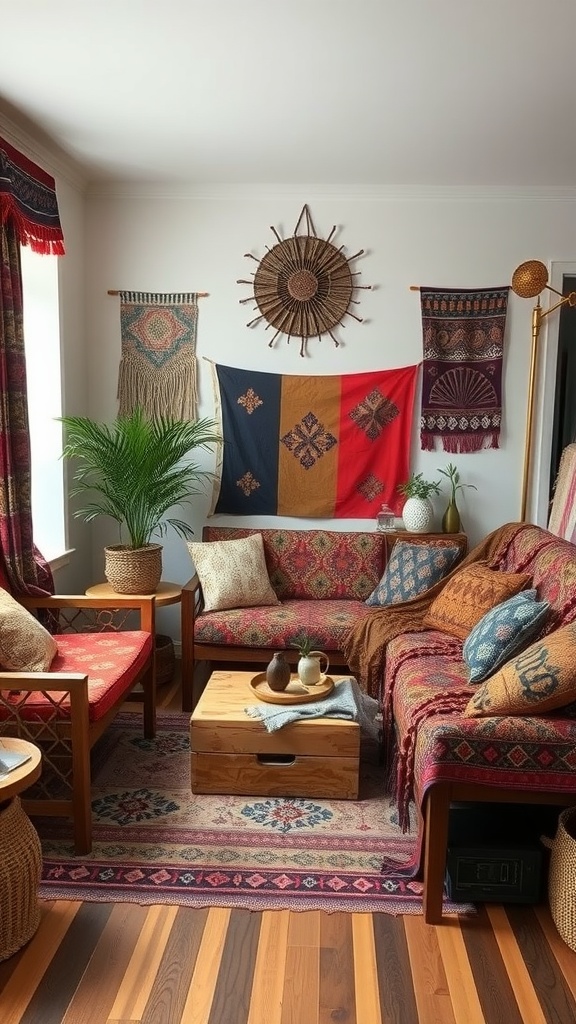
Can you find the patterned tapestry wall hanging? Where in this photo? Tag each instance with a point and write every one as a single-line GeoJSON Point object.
{"type": "Point", "coordinates": [325, 447]}
{"type": "Point", "coordinates": [303, 286]}
{"type": "Point", "coordinates": [158, 365]}
{"type": "Point", "coordinates": [463, 336]}
{"type": "Point", "coordinates": [28, 197]}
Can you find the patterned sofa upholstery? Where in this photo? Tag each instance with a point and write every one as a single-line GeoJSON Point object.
{"type": "Point", "coordinates": [322, 578]}
{"type": "Point", "coordinates": [444, 757]}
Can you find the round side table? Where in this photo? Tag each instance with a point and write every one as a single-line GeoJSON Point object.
{"type": "Point", "coordinates": [20, 852]}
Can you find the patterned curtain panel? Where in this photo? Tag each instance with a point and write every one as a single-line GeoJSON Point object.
{"type": "Point", "coordinates": [325, 447]}
{"type": "Point", "coordinates": [158, 366]}
{"type": "Point", "coordinates": [463, 339]}
{"type": "Point", "coordinates": [23, 568]}
{"type": "Point", "coordinates": [28, 200]}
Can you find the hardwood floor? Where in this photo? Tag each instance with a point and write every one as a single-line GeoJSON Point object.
{"type": "Point", "coordinates": [118, 963]}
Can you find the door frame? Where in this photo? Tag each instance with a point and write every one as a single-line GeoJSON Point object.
{"type": "Point", "coordinates": [539, 486]}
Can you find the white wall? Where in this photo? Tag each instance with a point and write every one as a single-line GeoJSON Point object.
{"type": "Point", "coordinates": [196, 240]}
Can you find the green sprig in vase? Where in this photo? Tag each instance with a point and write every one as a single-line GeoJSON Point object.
{"type": "Point", "coordinates": [451, 521]}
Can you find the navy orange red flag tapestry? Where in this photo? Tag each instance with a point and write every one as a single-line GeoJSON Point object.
{"type": "Point", "coordinates": [323, 447]}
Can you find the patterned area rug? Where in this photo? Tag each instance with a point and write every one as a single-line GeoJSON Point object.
{"type": "Point", "coordinates": [156, 842]}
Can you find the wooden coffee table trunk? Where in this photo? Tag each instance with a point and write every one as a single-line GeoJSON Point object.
{"type": "Point", "coordinates": [234, 754]}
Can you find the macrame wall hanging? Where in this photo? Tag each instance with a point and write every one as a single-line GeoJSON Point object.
{"type": "Point", "coordinates": [157, 369]}
{"type": "Point", "coordinates": [303, 286]}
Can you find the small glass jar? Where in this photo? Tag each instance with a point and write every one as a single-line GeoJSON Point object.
{"type": "Point", "coordinates": [385, 520]}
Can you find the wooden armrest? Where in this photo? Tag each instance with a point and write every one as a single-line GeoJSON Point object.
{"type": "Point", "coordinates": [193, 584]}
{"type": "Point", "coordinates": [146, 606]}
{"type": "Point", "coordinates": [42, 681]}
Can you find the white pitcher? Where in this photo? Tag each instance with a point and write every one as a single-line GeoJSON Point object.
{"type": "Point", "coordinates": [309, 667]}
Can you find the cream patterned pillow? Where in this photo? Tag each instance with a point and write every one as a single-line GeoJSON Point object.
{"type": "Point", "coordinates": [25, 646]}
{"type": "Point", "coordinates": [232, 573]}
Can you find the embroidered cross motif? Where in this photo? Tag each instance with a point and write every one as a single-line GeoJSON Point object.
{"type": "Point", "coordinates": [374, 413]}
{"type": "Point", "coordinates": [308, 440]}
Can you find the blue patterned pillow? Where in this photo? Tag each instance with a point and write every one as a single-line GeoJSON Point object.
{"type": "Point", "coordinates": [412, 569]}
{"type": "Point", "coordinates": [502, 632]}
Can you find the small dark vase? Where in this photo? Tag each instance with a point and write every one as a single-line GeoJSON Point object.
{"type": "Point", "coordinates": [278, 672]}
{"type": "Point", "coordinates": [451, 519]}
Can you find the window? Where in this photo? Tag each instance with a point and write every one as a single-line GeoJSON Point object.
{"type": "Point", "coordinates": [43, 372]}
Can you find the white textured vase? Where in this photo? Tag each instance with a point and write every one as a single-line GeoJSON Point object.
{"type": "Point", "coordinates": [418, 514]}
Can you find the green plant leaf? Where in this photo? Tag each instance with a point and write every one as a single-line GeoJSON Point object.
{"type": "Point", "coordinates": [136, 469]}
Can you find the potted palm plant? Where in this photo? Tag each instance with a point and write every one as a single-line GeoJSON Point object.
{"type": "Point", "coordinates": [134, 471]}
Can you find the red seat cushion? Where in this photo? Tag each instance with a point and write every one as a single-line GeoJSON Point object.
{"type": "Point", "coordinates": [111, 661]}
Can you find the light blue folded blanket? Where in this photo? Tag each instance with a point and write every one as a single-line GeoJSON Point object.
{"type": "Point", "coordinates": [345, 701]}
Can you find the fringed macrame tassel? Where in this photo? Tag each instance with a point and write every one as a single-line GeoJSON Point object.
{"type": "Point", "coordinates": [48, 241]}
{"type": "Point", "coordinates": [169, 392]}
{"type": "Point", "coordinates": [460, 444]}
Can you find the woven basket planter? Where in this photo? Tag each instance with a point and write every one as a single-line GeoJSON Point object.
{"type": "Point", "coordinates": [562, 877]}
{"type": "Point", "coordinates": [165, 659]}
{"type": "Point", "coordinates": [20, 867]}
{"type": "Point", "coordinates": [133, 570]}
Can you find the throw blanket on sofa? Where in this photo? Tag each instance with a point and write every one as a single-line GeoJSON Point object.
{"type": "Point", "coordinates": [365, 645]}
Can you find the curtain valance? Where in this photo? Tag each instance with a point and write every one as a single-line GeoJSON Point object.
{"type": "Point", "coordinates": [28, 197]}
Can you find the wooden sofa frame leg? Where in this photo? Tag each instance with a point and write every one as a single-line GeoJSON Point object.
{"type": "Point", "coordinates": [436, 814]}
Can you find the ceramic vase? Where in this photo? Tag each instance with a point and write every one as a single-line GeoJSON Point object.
{"type": "Point", "coordinates": [278, 672]}
{"type": "Point", "coordinates": [418, 515]}
{"type": "Point", "coordinates": [451, 519]}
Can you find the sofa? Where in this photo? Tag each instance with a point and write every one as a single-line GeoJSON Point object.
{"type": "Point", "coordinates": [320, 579]}
{"type": "Point", "coordinates": [438, 753]}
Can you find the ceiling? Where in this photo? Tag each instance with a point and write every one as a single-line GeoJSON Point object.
{"type": "Point", "coordinates": [378, 92]}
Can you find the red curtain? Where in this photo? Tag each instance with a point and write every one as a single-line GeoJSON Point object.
{"type": "Point", "coordinates": [28, 216]}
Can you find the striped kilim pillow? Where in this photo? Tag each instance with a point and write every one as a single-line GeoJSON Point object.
{"type": "Point", "coordinates": [468, 595]}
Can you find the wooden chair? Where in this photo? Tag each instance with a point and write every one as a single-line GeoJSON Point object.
{"type": "Point", "coordinates": [101, 658]}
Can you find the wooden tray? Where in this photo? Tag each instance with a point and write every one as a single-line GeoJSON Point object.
{"type": "Point", "coordinates": [295, 692]}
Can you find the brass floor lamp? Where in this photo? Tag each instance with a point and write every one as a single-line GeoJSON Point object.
{"type": "Point", "coordinates": [528, 281]}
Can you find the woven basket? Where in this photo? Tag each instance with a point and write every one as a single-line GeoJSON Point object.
{"type": "Point", "coordinates": [133, 570]}
{"type": "Point", "coordinates": [165, 659]}
{"type": "Point", "coordinates": [562, 877]}
{"type": "Point", "coordinates": [20, 867]}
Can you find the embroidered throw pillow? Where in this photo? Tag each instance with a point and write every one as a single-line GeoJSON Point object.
{"type": "Point", "coordinates": [232, 573]}
{"type": "Point", "coordinates": [468, 595]}
{"type": "Point", "coordinates": [503, 632]}
{"type": "Point", "coordinates": [541, 678]}
{"type": "Point", "coordinates": [412, 569]}
{"type": "Point", "coordinates": [25, 646]}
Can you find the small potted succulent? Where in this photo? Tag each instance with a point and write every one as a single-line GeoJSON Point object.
{"type": "Point", "coordinates": [309, 662]}
{"type": "Point", "coordinates": [417, 511]}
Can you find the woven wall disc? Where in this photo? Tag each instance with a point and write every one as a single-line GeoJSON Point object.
{"type": "Point", "coordinates": [303, 286]}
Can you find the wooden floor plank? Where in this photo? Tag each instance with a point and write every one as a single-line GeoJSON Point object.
{"type": "Point", "coordinates": [231, 999]}
{"type": "Point", "coordinates": [269, 969]}
{"type": "Point", "coordinates": [461, 985]}
{"type": "Point", "coordinates": [337, 983]}
{"type": "Point", "coordinates": [205, 976]}
{"type": "Point", "coordinates": [171, 986]}
{"type": "Point", "coordinates": [428, 975]}
{"type": "Point", "coordinates": [135, 988]}
{"type": "Point", "coordinates": [62, 977]}
{"type": "Point", "coordinates": [96, 993]}
{"type": "Point", "coordinates": [397, 999]}
{"type": "Point", "coordinates": [494, 989]}
{"type": "Point", "coordinates": [528, 1002]}
{"type": "Point", "coordinates": [35, 959]}
{"type": "Point", "coordinates": [565, 957]}
{"type": "Point", "coordinates": [555, 996]}
{"type": "Point", "coordinates": [300, 996]}
{"type": "Point", "coordinates": [367, 993]}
